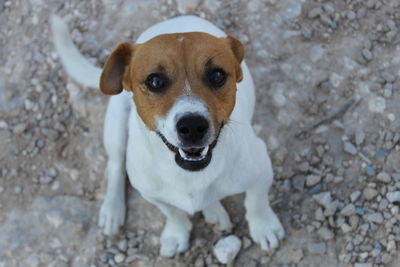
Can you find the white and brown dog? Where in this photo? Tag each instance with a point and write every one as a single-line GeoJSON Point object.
{"type": "Point", "coordinates": [186, 139]}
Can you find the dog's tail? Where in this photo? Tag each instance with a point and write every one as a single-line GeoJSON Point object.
{"type": "Point", "coordinates": [75, 64]}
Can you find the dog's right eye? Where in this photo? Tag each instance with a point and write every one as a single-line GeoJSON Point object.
{"type": "Point", "coordinates": [157, 82]}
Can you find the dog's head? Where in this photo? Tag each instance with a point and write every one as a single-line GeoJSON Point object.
{"type": "Point", "coordinates": [184, 88]}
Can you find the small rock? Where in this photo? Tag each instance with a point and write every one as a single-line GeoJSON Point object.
{"type": "Point", "coordinates": [3, 124]}
{"type": "Point", "coordinates": [360, 137]}
{"type": "Point", "coordinates": [19, 128]}
{"type": "Point", "coordinates": [393, 196]}
{"type": "Point", "coordinates": [355, 195]}
{"type": "Point", "coordinates": [313, 180]}
{"type": "Point", "coordinates": [388, 90]}
{"type": "Point", "coordinates": [315, 189]}
{"type": "Point", "coordinates": [367, 55]}
{"type": "Point", "coordinates": [315, 12]}
{"type": "Point", "coordinates": [50, 133]}
{"type": "Point", "coordinates": [384, 177]}
{"type": "Point", "coordinates": [348, 210]}
{"type": "Point", "coordinates": [335, 79]}
{"type": "Point", "coordinates": [350, 148]}
{"type": "Point", "coordinates": [187, 6]}
{"type": "Point", "coordinates": [370, 170]}
{"type": "Point", "coordinates": [363, 265]}
{"type": "Point", "coordinates": [375, 217]}
{"type": "Point", "coordinates": [345, 228]}
{"type": "Point", "coordinates": [391, 245]}
{"type": "Point", "coordinates": [377, 104]}
{"type": "Point", "coordinates": [354, 220]}
{"type": "Point", "coordinates": [122, 245]}
{"type": "Point", "coordinates": [388, 77]}
{"type": "Point", "coordinates": [246, 242]}
{"type": "Point", "coordinates": [18, 190]}
{"type": "Point", "coordinates": [199, 262]}
{"type": "Point", "coordinates": [325, 233]}
{"type": "Point", "coordinates": [351, 15]}
{"type": "Point", "coordinates": [119, 258]}
{"type": "Point", "coordinates": [227, 248]}
{"type": "Point", "coordinates": [370, 193]}
{"type": "Point", "coordinates": [324, 199]}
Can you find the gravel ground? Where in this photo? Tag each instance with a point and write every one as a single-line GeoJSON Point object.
{"type": "Point", "coordinates": [327, 78]}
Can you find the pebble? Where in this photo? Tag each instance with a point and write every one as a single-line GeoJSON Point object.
{"type": "Point", "coordinates": [315, 12]}
{"type": "Point", "coordinates": [313, 180]}
{"type": "Point", "coordinates": [360, 137]}
{"type": "Point", "coordinates": [367, 55]}
{"type": "Point", "coordinates": [355, 195]}
{"type": "Point", "coordinates": [370, 170]}
{"type": "Point", "coordinates": [122, 245]}
{"type": "Point", "coordinates": [377, 104]}
{"type": "Point", "coordinates": [363, 265]}
{"type": "Point", "coordinates": [3, 124]}
{"type": "Point", "coordinates": [354, 220]}
{"type": "Point", "coordinates": [315, 189]}
{"type": "Point", "coordinates": [348, 210]}
{"type": "Point", "coordinates": [375, 217]}
{"type": "Point", "coordinates": [187, 6]}
{"type": "Point", "coordinates": [388, 90]}
{"type": "Point", "coordinates": [370, 193]}
{"type": "Point", "coordinates": [384, 177]}
{"type": "Point", "coordinates": [345, 228]}
{"type": "Point", "coordinates": [119, 258]}
{"type": "Point", "coordinates": [351, 15]}
{"type": "Point", "coordinates": [350, 148]}
{"type": "Point", "coordinates": [388, 77]}
{"type": "Point", "coordinates": [325, 233]}
{"type": "Point", "coordinates": [19, 128]}
{"type": "Point", "coordinates": [393, 196]}
{"type": "Point", "coordinates": [324, 199]}
{"type": "Point", "coordinates": [226, 249]}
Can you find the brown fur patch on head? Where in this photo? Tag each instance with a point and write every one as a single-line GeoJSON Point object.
{"type": "Point", "coordinates": [184, 57]}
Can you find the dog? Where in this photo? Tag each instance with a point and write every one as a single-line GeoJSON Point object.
{"type": "Point", "coordinates": [178, 124]}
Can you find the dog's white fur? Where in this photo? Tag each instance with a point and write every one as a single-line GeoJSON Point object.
{"type": "Point", "coordinates": [240, 162]}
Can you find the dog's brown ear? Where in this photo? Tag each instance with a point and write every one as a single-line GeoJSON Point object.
{"type": "Point", "coordinates": [238, 51]}
{"type": "Point", "coordinates": [111, 79]}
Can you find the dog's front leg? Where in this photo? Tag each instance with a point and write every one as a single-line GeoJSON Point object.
{"type": "Point", "coordinates": [175, 235]}
{"type": "Point", "coordinates": [112, 211]}
{"type": "Point", "coordinates": [265, 227]}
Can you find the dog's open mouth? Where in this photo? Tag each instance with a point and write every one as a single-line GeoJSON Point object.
{"type": "Point", "coordinates": [191, 159]}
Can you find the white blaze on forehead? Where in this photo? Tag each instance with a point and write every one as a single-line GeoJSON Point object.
{"type": "Point", "coordinates": [186, 87]}
{"type": "Point", "coordinates": [184, 105]}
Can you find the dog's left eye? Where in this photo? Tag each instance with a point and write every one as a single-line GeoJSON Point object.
{"type": "Point", "coordinates": [156, 82]}
{"type": "Point", "coordinates": [216, 77]}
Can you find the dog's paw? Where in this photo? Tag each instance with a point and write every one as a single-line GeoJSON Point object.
{"type": "Point", "coordinates": [266, 232]}
{"type": "Point", "coordinates": [112, 215]}
{"type": "Point", "coordinates": [174, 240]}
{"type": "Point", "coordinates": [216, 214]}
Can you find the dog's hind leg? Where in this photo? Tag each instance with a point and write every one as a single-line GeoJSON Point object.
{"type": "Point", "coordinates": [112, 211]}
{"type": "Point", "coordinates": [216, 214]}
{"type": "Point", "coordinates": [265, 227]}
{"type": "Point", "coordinates": [175, 235]}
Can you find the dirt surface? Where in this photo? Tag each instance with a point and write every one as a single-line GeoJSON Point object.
{"type": "Point", "coordinates": [328, 86]}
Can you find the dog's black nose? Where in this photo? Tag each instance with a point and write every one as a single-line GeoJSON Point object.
{"type": "Point", "coordinates": [191, 129]}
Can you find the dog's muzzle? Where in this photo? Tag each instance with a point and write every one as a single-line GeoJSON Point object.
{"type": "Point", "coordinates": [192, 158]}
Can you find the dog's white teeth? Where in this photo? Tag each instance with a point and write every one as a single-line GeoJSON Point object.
{"type": "Point", "coordinates": [204, 152]}
{"type": "Point", "coordinates": [182, 153]}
